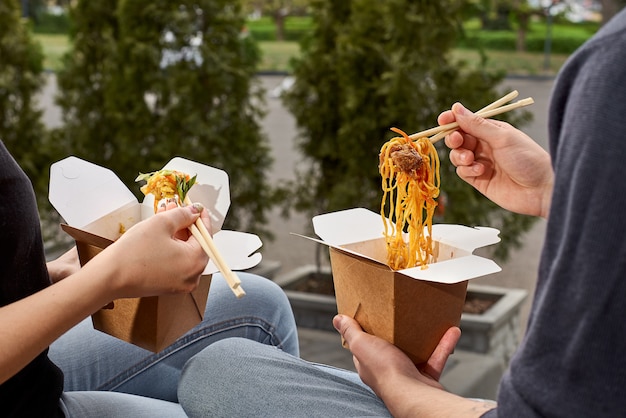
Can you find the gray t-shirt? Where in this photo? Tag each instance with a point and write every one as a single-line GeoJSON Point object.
{"type": "Point", "coordinates": [572, 361]}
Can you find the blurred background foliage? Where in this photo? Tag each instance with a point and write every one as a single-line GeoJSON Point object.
{"type": "Point", "coordinates": [142, 81]}
{"type": "Point", "coordinates": [21, 78]}
{"type": "Point", "coordinates": [149, 80]}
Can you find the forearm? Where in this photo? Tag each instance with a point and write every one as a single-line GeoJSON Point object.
{"type": "Point", "coordinates": [408, 399]}
{"type": "Point", "coordinates": [30, 325]}
{"type": "Point", "coordinates": [64, 266]}
{"type": "Point", "coordinates": [547, 199]}
{"type": "Point", "coordinates": [544, 185]}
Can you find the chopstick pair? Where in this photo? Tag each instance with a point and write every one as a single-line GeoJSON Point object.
{"type": "Point", "coordinates": [202, 235]}
{"type": "Point", "coordinates": [495, 108]}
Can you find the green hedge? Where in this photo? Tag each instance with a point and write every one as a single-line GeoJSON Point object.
{"type": "Point", "coordinates": [264, 30]}
{"type": "Point", "coordinates": [505, 41]}
{"type": "Point", "coordinates": [565, 37]}
{"type": "Point", "coordinates": [270, 34]}
{"type": "Point", "coordinates": [52, 24]}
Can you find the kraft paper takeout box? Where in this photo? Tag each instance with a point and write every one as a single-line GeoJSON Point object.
{"type": "Point", "coordinates": [98, 208]}
{"type": "Point", "coordinates": [410, 308]}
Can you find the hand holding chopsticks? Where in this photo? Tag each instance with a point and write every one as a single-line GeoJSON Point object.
{"type": "Point", "coordinates": [492, 109]}
{"type": "Point", "coordinates": [200, 233]}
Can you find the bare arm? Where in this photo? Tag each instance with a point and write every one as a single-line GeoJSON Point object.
{"type": "Point", "coordinates": [150, 259]}
{"type": "Point", "coordinates": [64, 266]}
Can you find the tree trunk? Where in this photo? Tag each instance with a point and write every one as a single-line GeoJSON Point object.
{"type": "Point", "coordinates": [523, 23]}
{"type": "Point", "coordinates": [609, 9]}
{"type": "Point", "coordinates": [521, 40]}
{"type": "Point", "coordinates": [279, 21]}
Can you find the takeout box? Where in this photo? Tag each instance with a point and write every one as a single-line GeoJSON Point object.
{"type": "Point", "coordinates": [98, 208]}
{"type": "Point", "coordinates": [410, 308]}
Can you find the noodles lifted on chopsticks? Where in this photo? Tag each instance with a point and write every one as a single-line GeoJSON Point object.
{"type": "Point", "coordinates": [410, 183]}
{"type": "Point", "coordinates": [166, 184]}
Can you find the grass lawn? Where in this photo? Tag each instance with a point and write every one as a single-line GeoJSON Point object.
{"type": "Point", "coordinates": [515, 63]}
{"type": "Point", "coordinates": [54, 46]}
{"type": "Point", "coordinates": [276, 57]}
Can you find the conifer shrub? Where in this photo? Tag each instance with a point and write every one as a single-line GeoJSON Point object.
{"type": "Point", "coordinates": [150, 80]}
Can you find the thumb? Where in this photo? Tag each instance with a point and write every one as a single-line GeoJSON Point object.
{"type": "Point", "coordinates": [475, 125]}
{"type": "Point", "coordinates": [180, 218]}
{"type": "Point", "coordinates": [347, 327]}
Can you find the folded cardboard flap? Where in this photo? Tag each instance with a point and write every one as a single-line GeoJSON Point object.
{"type": "Point", "coordinates": [83, 192]}
{"type": "Point", "coordinates": [211, 188]}
{"type": "Point", "coordinates": [238, 250]}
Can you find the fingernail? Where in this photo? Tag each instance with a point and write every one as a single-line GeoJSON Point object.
{"type": "Point", "coordinates": [198, 207]}
{"type": "Point", "coordinates": [459, 109]}
{"type": "Point", "coordinates": [337, 320]}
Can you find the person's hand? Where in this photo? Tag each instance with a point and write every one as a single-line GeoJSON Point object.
{"type": "Point", "coordinates": [64, 265]}
{"type": "Point", "coordinates": [500, 161]}
{"type": "Point", "coordinates": [406, 389]}
{"type": "Point", "coordinates": [155, 256]}
{"type": "Point", "coordinates": [378, 361]}
{"type": "Point", "coordinates": [184, 234]}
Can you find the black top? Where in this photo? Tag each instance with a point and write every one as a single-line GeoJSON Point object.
{"type": "Point", "coordinates": [572, 360]}
{"type": "Point", "coordinates": [36, 389]}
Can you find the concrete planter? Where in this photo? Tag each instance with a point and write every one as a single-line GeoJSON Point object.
{"type": "Point", "coordinates": [494, 332]}
{"type": "Point", "coordinates": [312, 310]}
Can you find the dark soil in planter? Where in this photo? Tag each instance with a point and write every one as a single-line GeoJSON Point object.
{"type": "Point", "coordinates": [477, 303]}
{"type": "Point", "coordinates": [322, 284]}
{"type": "Point", "coordinates": [319, 283]}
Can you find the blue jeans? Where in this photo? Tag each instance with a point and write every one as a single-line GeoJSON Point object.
{"type": "Point", "coordinates": [242, 378]}
{"type": "Point", "coordinates": [147, 382]}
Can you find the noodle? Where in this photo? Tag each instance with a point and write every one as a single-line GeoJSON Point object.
{"type": "Point", "coordinates": [410, 183]}
{"type": "Point", "coordinates": [166, 184]}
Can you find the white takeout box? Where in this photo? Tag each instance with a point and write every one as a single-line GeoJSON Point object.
{"type": "Point", "coordinates": [98, 208]}
{"type": "Point", "coordinates": [411, 308]}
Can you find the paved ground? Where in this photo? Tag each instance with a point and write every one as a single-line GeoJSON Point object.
{"type": "Point", "coordinates": [291, 251]}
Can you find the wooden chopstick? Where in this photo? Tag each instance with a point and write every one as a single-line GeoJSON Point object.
{"type": "Point", "coordinates": [490, 111]}
{"type": "Point", "coordinates": [501, 101]}
{"type": "Point", "coordinates": [504, 99]}
{"type": "Point", "coordinates": [202, 235]}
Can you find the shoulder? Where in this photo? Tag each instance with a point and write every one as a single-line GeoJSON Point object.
{"type": "Point", "coordinates": [588, 94]}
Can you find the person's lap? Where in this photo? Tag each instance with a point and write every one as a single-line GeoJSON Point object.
{"type": "Point", "coordinates": [219, 367]}
{"type": "Point", "coordinates": [94, 361]}
{"type": "Point", "coordinates": [236, 377]}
